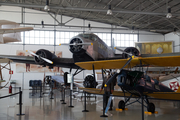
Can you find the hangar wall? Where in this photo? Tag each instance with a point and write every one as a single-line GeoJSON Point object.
{"type": "Point", "coordinates": [175, 38]}
{"type": "Point", "coordinates": [35, 17]}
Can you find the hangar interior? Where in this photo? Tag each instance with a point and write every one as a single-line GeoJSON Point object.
{"type": "Point", "coordinates": [132, 21]}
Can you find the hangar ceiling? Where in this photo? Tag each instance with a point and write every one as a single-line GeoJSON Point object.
{"type": "Point", "coordinates": [148, 15]}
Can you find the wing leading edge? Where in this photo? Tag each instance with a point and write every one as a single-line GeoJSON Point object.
{"type": "Point", "coordinates": [58, 62]}
{"type": "Point", "coordinates": [163, 61]}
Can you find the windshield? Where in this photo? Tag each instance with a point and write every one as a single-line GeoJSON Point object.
{"type": "Point", "coordinates": [89, 36]}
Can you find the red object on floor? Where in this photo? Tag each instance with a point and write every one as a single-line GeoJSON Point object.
{"type": "Point", "coordinates": [10, 89]}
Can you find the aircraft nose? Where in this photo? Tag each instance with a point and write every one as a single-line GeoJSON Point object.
{"type": "Point", "coordinates": [75, 45]}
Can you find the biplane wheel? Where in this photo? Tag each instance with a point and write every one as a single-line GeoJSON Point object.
{"type": "Point", "coordinates": [121, 105]}
{"type": "Point", "coordinates": [151, 107]}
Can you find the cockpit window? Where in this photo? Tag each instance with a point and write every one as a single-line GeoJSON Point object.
{"type": "Point", "coordinates": [89, 36]}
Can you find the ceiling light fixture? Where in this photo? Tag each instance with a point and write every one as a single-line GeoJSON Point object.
{"type": "Point", "coordinates": [89, 26]}
{"type": "Point", "coordinates": [47, 8]}
{"type": "Point", "coordinates": [109, 12]}
{"type": "Point", "coordinates": [42, 23]}
{"type": "Point", "coordinates": [169, 15]}
{"type": "Point", "coordinates": [132, 29]}
{"type": "Point", "coordinates": [175, 31]}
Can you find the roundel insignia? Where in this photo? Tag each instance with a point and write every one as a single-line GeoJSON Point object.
{"type": "Point", "coordinates": [174, 85]}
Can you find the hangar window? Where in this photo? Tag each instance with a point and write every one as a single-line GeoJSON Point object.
{"type": "Point", "coordinates": [39, 37]}
{"type": "Point", "coordinates": [106, 37]}
{"type": "Point", "coordinates": [64, 37]}
{"type": "Point", "coordinates": [125, 40]}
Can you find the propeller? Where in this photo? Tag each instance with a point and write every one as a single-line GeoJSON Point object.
{"type": "Point", "coordinates": [118, 72]}
{"type": "Point", "coordinates": [76, 44]}
{"type": "Point", "coordinates": [123, 51]}
{"type": "Point", "coordinates": [45, 59]}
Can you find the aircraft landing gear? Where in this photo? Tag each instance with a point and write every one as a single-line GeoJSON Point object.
{"type": "Point", "coordinates": [121, 105]}
{"type": "Point", "coordinates": [151, 108]}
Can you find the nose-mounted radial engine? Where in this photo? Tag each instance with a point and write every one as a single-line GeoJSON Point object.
{"type": "Point", "coordinates": [76, 45]}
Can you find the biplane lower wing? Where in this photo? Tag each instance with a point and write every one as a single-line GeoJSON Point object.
{"type": "Point", "coordinates": [98, 91]}
{"type": "Point", "coordinates": [156, 95]}
{"type": "Point", "coordinates": [165, 95]}
{"type": "Point", "coordinates": [161, 61]}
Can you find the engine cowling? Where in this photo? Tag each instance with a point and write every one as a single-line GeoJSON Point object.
{"type": "Point", "coordinates": [132, 50]}
{"type": "Point", "coordinates": [76, 48]}
{"type": "Point", "coordinates": [45, 54]}
{"type": "Point", "coordinates": [89, 82]}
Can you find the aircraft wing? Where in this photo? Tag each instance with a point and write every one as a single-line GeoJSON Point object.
{"type": "Point", "coordinates": [162, 61]}
{"type": "Point", "coordinates": [10, 31]}
{"type": "Point", "coordinates": [164, 95]}
{"type": "Point", "coordinates": [5, 60]}
{"type": "Point", "coordinates": [11, 27]}
{"type": "Point", "coordinates": [14, 30]}
{"type": "Point", "coordinates": [58, 62]}
{"type": "Point", "coordinates": [98, 91]}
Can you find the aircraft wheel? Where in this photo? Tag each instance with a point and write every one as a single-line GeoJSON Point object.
{"type": "Point", "coordinates": [121, 105]}
{"type": "Point", "coordinates": [151, 107]}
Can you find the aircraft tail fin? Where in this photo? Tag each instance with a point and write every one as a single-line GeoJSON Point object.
{"type": "Point", "coordinates": [178, 91]}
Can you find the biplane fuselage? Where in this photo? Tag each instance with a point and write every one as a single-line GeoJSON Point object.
{"type": "Point", "coordinates": [136, 83]}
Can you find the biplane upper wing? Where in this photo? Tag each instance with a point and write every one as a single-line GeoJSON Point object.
{"type": "Point", "coordinates": [162, 61]}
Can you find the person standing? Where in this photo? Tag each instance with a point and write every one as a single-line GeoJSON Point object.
{"type": "Point", "coordinates": [108, 90]}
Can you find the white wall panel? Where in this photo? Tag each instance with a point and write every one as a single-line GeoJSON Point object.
{"type": "Point", "coordinates": [175, 38]}
{"type": "Point", "coordinates": [148, 37]}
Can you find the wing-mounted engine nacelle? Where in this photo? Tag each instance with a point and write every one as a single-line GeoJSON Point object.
{"type": "Point", "coordinates": [44, 54]}
{"type": "Point", "coordinates": [132, 50]}
{"type": "Point", "coordinates": [89, 82]}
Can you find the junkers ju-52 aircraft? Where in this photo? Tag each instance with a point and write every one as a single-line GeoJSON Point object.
{"type": "Point", "coordinates": [84, 47]}
{"type": "Point", "coordinates": [91, 53]}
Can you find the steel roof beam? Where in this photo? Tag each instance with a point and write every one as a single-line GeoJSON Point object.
{"type": "Point", "coordinates": [85, 9]}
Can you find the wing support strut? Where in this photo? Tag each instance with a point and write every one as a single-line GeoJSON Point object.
{"type": "Point", "coordinates": [94, 75]}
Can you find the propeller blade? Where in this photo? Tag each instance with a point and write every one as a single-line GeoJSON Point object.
{"type": "Point", "coordinates": [77, 44]}
{"type": "Point", "coordinates": [30, 52]}
{"type": "Point", "coordinates": [116, 74]}
{"type": "Point", "coordinates": [45, 59]}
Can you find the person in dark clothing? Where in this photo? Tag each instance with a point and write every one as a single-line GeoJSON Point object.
{"type": "Point", "coordinates": [108, 90]}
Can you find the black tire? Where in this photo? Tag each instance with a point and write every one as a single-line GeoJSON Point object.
{"type": "Point", "coordinates": [121, 105]}
{"type": "Point", "coordinates": [151, 107]}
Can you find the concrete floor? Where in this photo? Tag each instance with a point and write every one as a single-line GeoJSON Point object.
{"type": "Point", "coordinates": [36, 108]}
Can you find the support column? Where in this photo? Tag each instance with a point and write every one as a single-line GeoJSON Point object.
{"type": "Point", "coordinates": [85, 103]}
{"type": "Point", "coordinates": [142, 102]}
